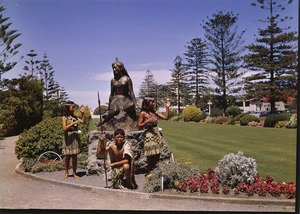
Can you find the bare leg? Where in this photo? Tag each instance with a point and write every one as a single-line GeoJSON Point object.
{"type": "Point", "coordinates": [126, 168]}
{"type": "Point", "coordinates": [67, 164]}
{"type": "Point", "coordinates": [74, 164]}
{"type": "Point", "coordinates": [155, 160]}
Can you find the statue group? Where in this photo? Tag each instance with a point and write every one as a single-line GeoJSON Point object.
{"type": "Point", "coordinates": [123, 113]}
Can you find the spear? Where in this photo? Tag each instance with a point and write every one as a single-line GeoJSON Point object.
{"type": "Point", "coordinates": [101, 131]}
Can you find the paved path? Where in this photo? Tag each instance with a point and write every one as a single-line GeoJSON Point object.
{"type": "Point", "coordinates": [50, 191]}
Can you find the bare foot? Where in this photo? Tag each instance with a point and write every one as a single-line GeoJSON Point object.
{"type": "Point", "coordinates": [66, 175]}
{"type": "Point", "coordinates": [75, 176]}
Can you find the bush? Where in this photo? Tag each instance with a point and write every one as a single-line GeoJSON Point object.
{"type": "Point", "coordinates": [272, 119]}
{"type": "Point", "coordinates": [200, 117]}
{"type": "Point", "coordinates": [233, 111]}
{"type": "Point", "coordinates": [234, 169]}
{"type": "Point", "coordinates": [45, 136]}
{"type": "Point", "coordinates": [215, 112]}
{"type": "Point", "coordinates": [190, 113]}
{"type": "Point", "coordinates": [292, 123]}
{"type": "Point", "coordinates": [248, 118]}
{"type": "Point", "coordinates": [238, 117]}
{"type": "Point", "coordinates": [173, 173]}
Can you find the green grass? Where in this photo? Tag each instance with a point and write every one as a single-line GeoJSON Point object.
{"type": "Point", "coordinates": [273, 149]}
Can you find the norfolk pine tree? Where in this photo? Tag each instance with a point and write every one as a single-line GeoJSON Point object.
{"type": "Point", "coordinates": [179, 77]}
{"type": "Point", "coordinates": [274, 58]}
{"type": "Point", "coordinates": [225, 46]}
{"type": "Point", "coordinates": [148, 87]}
{"type": "Point", "coordinates": [7, 48]}
{"type": "Point", "coordinates": [197, 60]}
{"type": "Point", "coordinates": [31, 65]}
{"type": "Point", "coordinates": [51, 98]}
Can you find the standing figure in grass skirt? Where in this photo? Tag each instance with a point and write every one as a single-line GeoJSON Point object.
{"type": "Point", "coordinates": [148, 120]}
{"type": "Point", "coordinates": [71, 144]}
{"type": "Point", "coordinates": [121, 158]}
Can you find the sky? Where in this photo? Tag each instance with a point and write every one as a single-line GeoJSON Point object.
{"type": "Point", "coordinates": [82, 38]}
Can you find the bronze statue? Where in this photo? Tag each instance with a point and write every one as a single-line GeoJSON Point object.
{"type": "Point", "coordinates": [122, 99]}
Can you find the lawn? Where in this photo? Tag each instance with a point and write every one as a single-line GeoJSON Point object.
{"type": "Point", "coordinates": [205, 144]}
{"type": "Point", "coordinates": [273, 149]}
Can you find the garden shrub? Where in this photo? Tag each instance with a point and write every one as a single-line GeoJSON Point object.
{"type": "Point", "coordinates": [45, 136]}
{"type": "Point", "coordinates": [248, 118]}
{"type": "Point", "coordinates": [281, 124]}
{"type": "Point", "coordinates": [238, 117]}
{"type": "Point", "coordinates": [190, 113]}
{"type": "Point", "coordinates": [200, 117]}
{"type": "Point", "coordinates": [233, 169]}
{"type": "Point", "coordinates": [292, 123]}
{"type": "Point", "coordinates": [233, 111]}
{"type": "Point", "coordinates": [221, 120]}
{"type": "Point", "coordinates": [272, 119]}
{"type": "Point", "coordinates": [173, 172]}
{"type": "Point", "coordinates": [215, 112]}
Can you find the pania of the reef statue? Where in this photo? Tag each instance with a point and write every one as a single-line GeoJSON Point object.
{"type": "Point", "coordinates": [122, 102]}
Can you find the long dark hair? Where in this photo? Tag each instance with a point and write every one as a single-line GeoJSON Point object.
{"type": "Point", "coordinates": [123, 69]}
{"type": "Point", "coordinates": [67, 112]}
{"type": "Point", "coordinates": [145, 104]}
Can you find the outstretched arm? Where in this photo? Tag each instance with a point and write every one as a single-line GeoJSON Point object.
{"type": "Point", "coordinates": [166, 116]}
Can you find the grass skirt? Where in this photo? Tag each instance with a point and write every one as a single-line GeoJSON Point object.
{"type": "Point", "coordinates": [153, 141]}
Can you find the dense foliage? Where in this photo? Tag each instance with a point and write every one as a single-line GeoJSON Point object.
{"type": "Point", "coordinates": [248, 118]}
{"type": "Point", "coordinates": [272, 119]}
{"type": "Point", "coordinates": [233, 169]}
{"type": "Point", "coordinates": [190, 113]}
{"type": "Point", "coordinates": [45, 136]}
{"type": "Point", "coordinates": [172, 173]}
{"type": "Point", "coordinates": [233, 111]}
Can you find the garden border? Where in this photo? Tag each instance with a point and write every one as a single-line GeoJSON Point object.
{"type": "Point", "coordinates": [281, 202]}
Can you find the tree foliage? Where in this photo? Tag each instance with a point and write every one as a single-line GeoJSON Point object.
{"type": "Point", "coordinates": [31, 65]}
{"type": "Point", "coordinates": [148, 87]}
{"type": "Point", "coordinates": [273, 56]}
{"type": "Point", "coordinates": [197, 60]}
{"type": "Point", "coordinates": [22, 105]}
{"type": "Point", "coordinates": [179, 79]}
{"type": "Point", "coordinates": [54, 95]}
{"type": "Point", "coordinates": [7, 47]}
{"type": "Point", "coordinates": [225, 45]}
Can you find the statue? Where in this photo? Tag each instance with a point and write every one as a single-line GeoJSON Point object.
{"type": "Point", "coordinates": [122, 113]}
{"type": "Point", "coordinates": [122, 103]}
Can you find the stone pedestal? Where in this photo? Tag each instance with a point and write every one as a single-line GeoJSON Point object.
{"type": "Point", "coordinates": [95, 164]}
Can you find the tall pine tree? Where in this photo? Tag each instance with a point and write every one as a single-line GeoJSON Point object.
{"type": "Point", "coordinates": [197, 60]}
{"type": "Point", "coordinates": [273, 56]}
{"type": "Point", "coordinates": [52, 91]}
{"type": "Point", "coordinates": [179, 78]}
{"type": "Point", "coordinates": [7, 47]}
{"type": "Point", "coordinates": [148, 87]}
{"type": "Point", "coordinates": [225, 46]}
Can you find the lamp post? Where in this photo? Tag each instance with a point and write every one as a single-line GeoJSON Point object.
{"type": "Point", "coordinates": [209, 103]}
